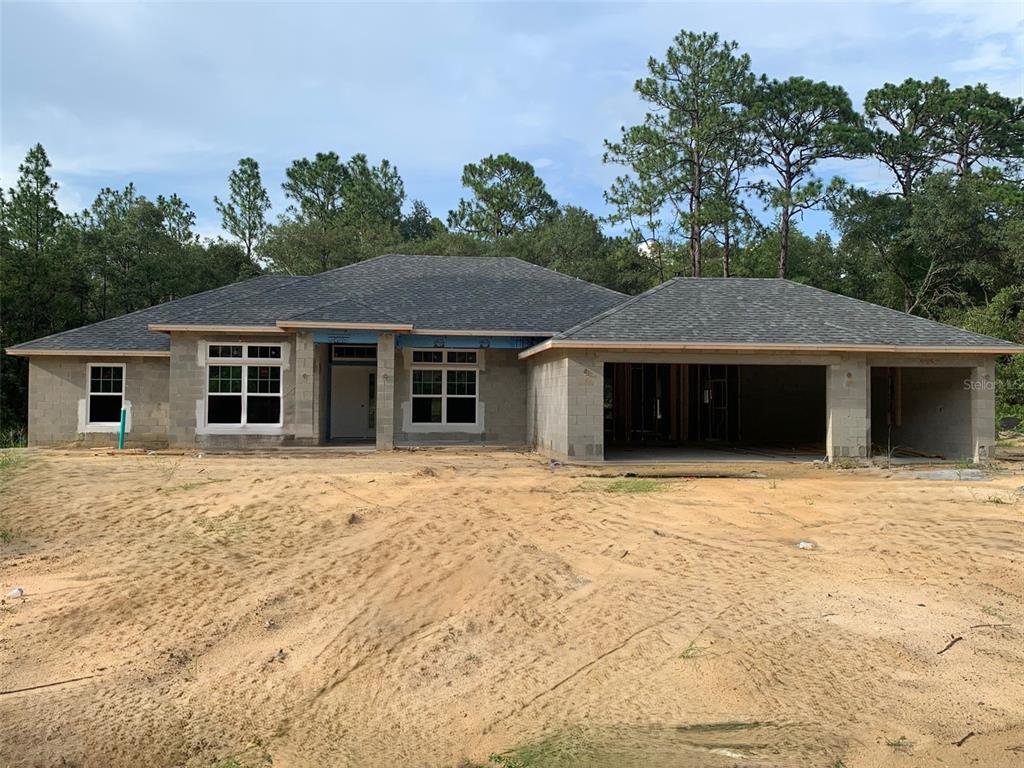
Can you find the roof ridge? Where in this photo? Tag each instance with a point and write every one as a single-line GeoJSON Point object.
{"type": "Point", "coordinates": [353, 264]}
{"type": "Point", "coordinates": [895, 311]}
{"type": "Point", "coordinates": [612, 310]}
{"type": "Point", "coordinates": [187, 315]}
{"type": "Point", "coordinates": [140, 311]}
{"type": "Point", "coordinates": [560, 274]}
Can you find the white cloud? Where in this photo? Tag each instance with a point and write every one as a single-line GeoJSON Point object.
{"type": "Point", "coordinates": [987, 56]}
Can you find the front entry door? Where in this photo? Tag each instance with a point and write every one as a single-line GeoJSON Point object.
{"type": "Point", "coordinates": [353, 403]}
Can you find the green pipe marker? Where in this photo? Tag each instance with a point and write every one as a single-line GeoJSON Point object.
{"type": "Point", "coordinates": [120, 432]}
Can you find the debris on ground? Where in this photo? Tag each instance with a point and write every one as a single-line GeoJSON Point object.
{"type": "Point", "coordinates": [964, 739]}
{"type": "Point", "coordinates": [950, 644]}
{"type": "Point", "coordinates": [807, 545]}
{"type": "Point", "coordinates": [15, 593]}
{"type": "Point", "coordinates": [951, 474]}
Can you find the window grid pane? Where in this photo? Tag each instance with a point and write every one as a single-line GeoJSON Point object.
{"type": "Point", "coordinates": [428, 356]}
{"type": "Point", "coordinates": [342, 352]}
{"type": "Point", "coordinates": [264, 352]}
{"type": "Point", "coordinates": [225, 379]}
{"type": "Point", "coordinates": [463, 358]}
{"type": "Point", "coordinates": [462, 382]}
{"type": "Point", "coordinates": [225, 350]}
{"type": "Point", "coordinates": [426, 382]}
{"type": "Point", "coordinates": [264, 379]}
{"type": "Point", "coordinates": [103, 379]}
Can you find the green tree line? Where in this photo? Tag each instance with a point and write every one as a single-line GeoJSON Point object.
{"type": "Point", "coordinates": [712, 182]}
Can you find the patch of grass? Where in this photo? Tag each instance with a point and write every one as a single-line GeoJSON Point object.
{"type": "Point", "coordinates": [622, 485]}
{"type": "Point", "coordinates": [564, 750]}
{"type": "Point", "coordinates": [228, 762]}
{"type": "Point", "coordinates": [6, 535]}
{"type": "Point", "coordinates": [692, 651]}
{"type": "Point", "coordinates": [10, 459]}
{"type": "Point", "coordinates": [13, 437]}
{"type": "Point", "coordinates": [996, 500]}
{"type": "Point", "coordinates": [966, 464]}
{"type": "Point", "coordinates": [728, 726]}
{"type": "Point", "coordinates": [988, 610]}
{"type": "Point", "coordinates": [191, 485]}
{"type": "Point", "coordinates": [902, 745]}
{"type": "Point", "coordinates": [633, 485]}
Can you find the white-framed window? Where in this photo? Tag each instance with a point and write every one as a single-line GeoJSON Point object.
{"type": "Point", "coordinates": [105, 393]}
{"type": "Point", "coordinates": [243, 385]}
{"type": "Point", "coordinates": [445, 386]}
{"type": "Point", "coordinates": [354, 352]}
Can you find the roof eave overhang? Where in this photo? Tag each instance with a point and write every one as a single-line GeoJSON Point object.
{"type": "Point", "coordinates": [479, 332]}
{"type": "Point", "coordinates": [208, 328]}
{"type": "Point", "coordinates": [86, 352]}
{"type": "Point", "coordinates": [671, 346]}
{"type": "Point", "coordinates": [313, 324]}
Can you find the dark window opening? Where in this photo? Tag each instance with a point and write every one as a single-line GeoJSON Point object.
{"type": "Point", "coordinates": [461, 410]}
{"type": "Point", "coordinates": [265, 352]}
{"type": "Point", "coordinates": [224, 409]}
{"type": "Point", "coordinates": [225, 350]}
{"type": "Point", "coordinates": [426, 410]}
{"type": "Point", "coordinates": [428, 356]}
{"type": "Point", "coordinates": [262, 410]}
{"type": "Point", "coordinates": [104, 409]}
{"type": "Point", "coordinates": [346, 352]}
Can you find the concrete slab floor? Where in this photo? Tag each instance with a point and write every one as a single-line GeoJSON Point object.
{"type": "Point", "coordinates": [709, 454]}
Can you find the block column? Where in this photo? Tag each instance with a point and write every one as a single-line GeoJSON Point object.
{"type": "Point", "coordinates": [385, 392]}
{"type": "Point", "coordinates": [305, 387]}
{"type": "Point", "coordinates": [585, 388]}
{"type": "Point", "coordinates": [848, 406]}
{"type": "Point", "coordinates": [983, 411]}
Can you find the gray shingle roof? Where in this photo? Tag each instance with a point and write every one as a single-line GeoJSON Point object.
{"type": "Point", "coordinates": [131, 332]}
{"type": "Point", "coordinates": [430, 292]}
{"type": "Point", "coordinates": [765, 311]}
{"type": "Point", "coordinates": [455, 293]}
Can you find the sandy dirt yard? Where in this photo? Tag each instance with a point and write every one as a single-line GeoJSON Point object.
{"type": "Point", "coordinates": [438, 608]}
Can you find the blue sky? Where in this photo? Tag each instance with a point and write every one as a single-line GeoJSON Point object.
{"type": "Point", "coordinates": [170, 95]}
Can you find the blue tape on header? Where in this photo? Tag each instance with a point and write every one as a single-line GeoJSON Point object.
{"type": "Point", "coordinates": [345, 337]}
{"type": "Point", "coordinates": [465, 342]}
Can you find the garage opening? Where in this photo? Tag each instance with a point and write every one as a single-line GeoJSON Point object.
{"type": "Point", "coordinates": [921, 413]}
{"type": "Point", "coordinates": [672, 411]}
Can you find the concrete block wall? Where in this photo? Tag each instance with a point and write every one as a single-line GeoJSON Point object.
{"type": "Point", "coordinates": [982, 391]}
{"type": "Point", "coordinates": [848, 408]}
{"type": "Point", "coordinates": [188, 387]}
{"type": "Point", "coordinates": [585, 389]}
{"type": "Point", "coordinates": [935, 413]}
{"type": "Point", "coordinates": [306, 393]}
{"type": "Point", "coordinates": [547, 406]}
{"type": "Point", "coordinates": [948, 404]}
{"type": "Point", "coordinates": [57, 392]}
{"type": "Point", "coordinates": [385, 392]}
{"type": "Point", "coordinates": [501, 402]}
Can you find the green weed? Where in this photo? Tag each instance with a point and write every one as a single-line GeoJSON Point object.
{"type": "Point", "coordinates": [692, 651]}
{"type": "Point", "coordinates": [13, 437]}
{"type": "Point", "coordinates": [10, 459]}
{"type": "Point", "coordinates": [902, 744]}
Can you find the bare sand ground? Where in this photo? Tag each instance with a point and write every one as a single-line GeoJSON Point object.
{"type": "Point", "coordinates": [433, 608]}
